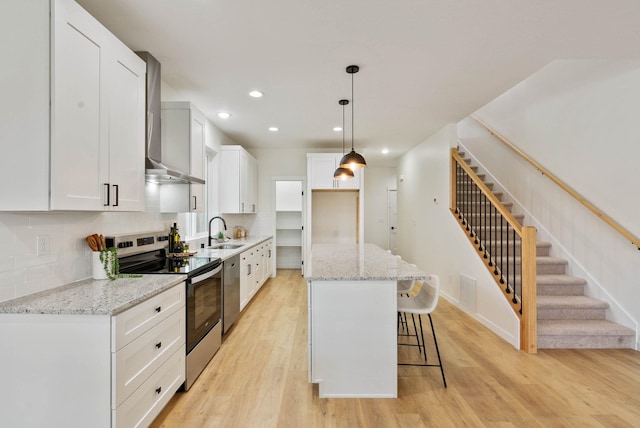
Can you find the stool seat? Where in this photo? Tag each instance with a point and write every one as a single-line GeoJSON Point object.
{"type": "Point", "coordinates": [424, 303]}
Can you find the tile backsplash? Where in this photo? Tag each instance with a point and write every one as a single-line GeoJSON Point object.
{"type": "Point", "coordinates": [23, 272]}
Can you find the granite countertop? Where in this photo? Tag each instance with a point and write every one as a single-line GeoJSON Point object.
{"type": "Point", "coordinates": [92, 297]}
{"type": "Point", "coordinates": [247, 243]}
{"type": "Point", "coordinates": [104, 297]}
{"type": "Point", "coordinates": [335, 262]}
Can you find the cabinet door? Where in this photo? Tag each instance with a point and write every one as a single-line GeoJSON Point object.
{"type": "Point", "coordinates": [197, 144]}
{"type": "Point", "coordinates": [268, 259]}
{"type": "Point", "coordinates": [252, 190]}
{"type": "Point", "coordinates": [229, 181]}
{"type": "Point", "coordinates": [245, 278]}
{"type": "Point", "coordinates": [79, 152]}
{"type": "Point", "coordinates": [196, 198]}
{"type": "Point", "coordinates": [248, 183]}
{"type": "Point", "coordinates": [322, 169]}
{"type": "Point", "coordinates": [288, 195]}
{"type": "Point", "coordinates": [126, 82]}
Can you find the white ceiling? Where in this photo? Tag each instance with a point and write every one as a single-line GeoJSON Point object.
{"type": "Point", "coordinates": [423, 63]}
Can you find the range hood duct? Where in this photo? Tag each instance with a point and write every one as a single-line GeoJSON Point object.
{"type": "Point", "coordinates": [156, 168]}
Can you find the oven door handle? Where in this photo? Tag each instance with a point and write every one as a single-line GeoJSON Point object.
{"type": "Point", "coordinates": [206, 275]}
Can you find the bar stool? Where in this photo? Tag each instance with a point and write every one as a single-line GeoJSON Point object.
{"type": "Point", "coordinates": [424, 302]}
{"type": "Point", "coordinates": [404, 287]}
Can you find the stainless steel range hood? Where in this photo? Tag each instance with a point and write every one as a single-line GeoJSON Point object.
{"type": "Point", "coordinates": [156, 172]}
{"type": "Point", "coordinates": [157, 169]}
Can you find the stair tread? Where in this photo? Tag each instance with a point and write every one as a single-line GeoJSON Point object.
{"type": "Point", "coordinates": [570, 302]}
{"type": "Point", "coordinates": [582, 328]}
{"type": "Point", "coordinates": [559, 280]}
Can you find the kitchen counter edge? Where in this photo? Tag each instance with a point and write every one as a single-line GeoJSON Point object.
{"type": "Point", "coordinates": [358, 262]}
{"type": "Point", "coordinates": [92, 297]}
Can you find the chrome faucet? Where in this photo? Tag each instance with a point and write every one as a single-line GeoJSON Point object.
{"type": "Point", "coordinates": [224, 223]}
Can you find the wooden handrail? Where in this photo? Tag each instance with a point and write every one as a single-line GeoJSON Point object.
{"type": "Point", "coordinates": [621, 230]}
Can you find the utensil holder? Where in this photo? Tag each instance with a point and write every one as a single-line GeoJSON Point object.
{"type": "Point", "coordinates": [98, 266]}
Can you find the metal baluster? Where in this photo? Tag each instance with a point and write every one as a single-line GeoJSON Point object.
{"type": "Point", "coordinates": [458, 194]}
{"type": "Point", "coordinates": [468, 199]}
{"type": "Point", "coordinates": [492, 242]}
{"type": "Point", "coordinates": [484, 241]}
{"type": "Point", "coordinates": [478, 229]}
{"type": "Point", "coordinates": [505, 272]}
{"type": "Point", "coordinates": [501, 251]}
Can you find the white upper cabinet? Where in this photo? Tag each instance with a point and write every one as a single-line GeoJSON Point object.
{"type": "Point", "coordinates": [75, 97]}
{"type": "Point", "coordinates": [320, 169]}
{"type": "Point", "coordinates": [238, 181]}
{"type": "Point", "coordinates": [183, 142]}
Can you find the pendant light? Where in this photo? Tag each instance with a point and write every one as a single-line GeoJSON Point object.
{"type": "Point", "coordinates": [343, 173]}
{"type": "Point", "coordinates": [353, 159]}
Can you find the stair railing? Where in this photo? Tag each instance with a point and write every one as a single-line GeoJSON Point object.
{"type": "Point", "coordinates": [621, 230]}
{"type": "Point", "coordinates": [507, 248]}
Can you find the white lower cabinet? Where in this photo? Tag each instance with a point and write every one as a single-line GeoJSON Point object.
{"type": "Point", "coordinates": [93, 370]}
{"type": "Point", "coordinates": [148, 357]}
{"type": "Point", "coordinates": [144, 404]}
{"type": "Point", "coordinates": [255, 269]}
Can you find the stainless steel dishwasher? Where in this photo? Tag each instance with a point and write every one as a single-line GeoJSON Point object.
{"type": "Point", "coordinates": [230, 292]}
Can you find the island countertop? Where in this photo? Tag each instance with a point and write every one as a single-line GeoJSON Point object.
{"type": "Point", "coordinates": [362, 262]}
{"type": "Point", "coordinates": [92, 297]}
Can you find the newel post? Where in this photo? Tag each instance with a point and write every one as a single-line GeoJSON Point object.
{"type": "Point", "coordinates": [529, 318]}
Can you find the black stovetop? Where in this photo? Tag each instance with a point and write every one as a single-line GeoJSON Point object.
{"type": "Point", "coordinates": [158, 262]}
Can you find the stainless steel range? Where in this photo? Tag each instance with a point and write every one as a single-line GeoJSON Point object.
{"type": "Point", "coordinates": [146, 253]}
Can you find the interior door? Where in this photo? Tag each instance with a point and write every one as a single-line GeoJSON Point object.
{"type": "Point", "coordinates": [393, 216]}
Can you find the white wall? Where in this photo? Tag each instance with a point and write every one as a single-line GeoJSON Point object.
{"type": "Point", "coordinates": [22, 272]}
{"type": "Point", "coordinates": [578, 119]}
{"type": "Point", "coordinates": [378, 181]}
{"type": "Point", "coordinates": [430, 237]}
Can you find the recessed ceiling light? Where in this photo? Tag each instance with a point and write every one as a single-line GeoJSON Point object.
{"type": "Point", "coordinates": [273, 129]}
{"type": "Point", "coordinates": [256, 94]}
{"type": "Point", "coordinates": [224, 115]}
{"type": "Point", "coordinates": [337, 129]}
{"type": "Point", "coordinates": [385, 151]}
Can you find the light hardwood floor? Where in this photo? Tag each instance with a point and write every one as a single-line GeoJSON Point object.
{"type": "Point", "coordinates": [259, 378]}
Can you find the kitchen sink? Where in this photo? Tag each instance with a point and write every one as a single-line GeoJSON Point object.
{"type": "Point", "coordinates": [226, 246]}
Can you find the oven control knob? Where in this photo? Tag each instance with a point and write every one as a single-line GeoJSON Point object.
{"type": "Point", "coordinates": [129, 243]}
{"type": "Point", "coordinates": [122, 244]}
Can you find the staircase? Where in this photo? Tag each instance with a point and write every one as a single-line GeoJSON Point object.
{"type": "Point", "coordinates": [566, 317]}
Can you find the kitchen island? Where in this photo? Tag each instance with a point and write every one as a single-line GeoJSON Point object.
{"type": "Point", "coordinates": [352, 295]}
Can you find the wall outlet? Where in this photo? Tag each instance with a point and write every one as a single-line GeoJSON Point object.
{"type": "Point", "coordinates": [43, 243]}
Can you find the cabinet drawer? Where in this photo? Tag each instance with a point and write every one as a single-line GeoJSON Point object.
{"type": "Point", "coordinates": [132, 323]}
{"type": "Point", "coordinates": [141, 408]}
{"type": "Point", "coordinates": [134, 363]}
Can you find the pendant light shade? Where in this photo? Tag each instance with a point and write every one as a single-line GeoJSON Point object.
{"type": "Point", "coordinates": [343, 173]}
{"type": "Point", "coordinates": [353, 159]}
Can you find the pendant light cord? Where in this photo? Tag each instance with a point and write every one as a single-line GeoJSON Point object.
{"type": "Point", "coordinates": [343, 102]}
{"type": "Point", "coordinates": [352, 112]}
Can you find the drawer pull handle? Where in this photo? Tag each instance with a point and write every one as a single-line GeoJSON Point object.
{"type": "Point", "coordinates": [158, 309]}
{"type": "Point", "coordinates": [158, 345]}
{"type": "Point", "coordinates": [158, 390]}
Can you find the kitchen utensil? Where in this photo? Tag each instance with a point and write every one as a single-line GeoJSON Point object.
{"type": "Point", "coordinates": [93, 244]}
